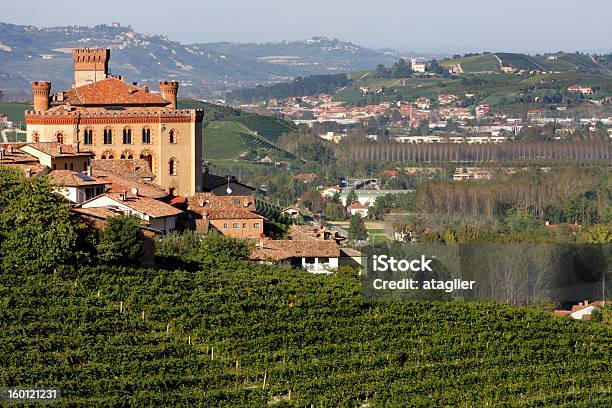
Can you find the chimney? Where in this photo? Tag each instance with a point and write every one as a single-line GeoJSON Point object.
{"type": "Point", "coordinates": [135, 191]}
{"type": "Point", "coordinates": [28, 172]}
{"type": "Point", "coordinates": [206, 165]}
{"type": "Point", "coordinates": [41, 91]}
{"type": "Point", "coordinates": [168, 91]}
{"type": "Point", "coordinates": [89, 171]}
{"type": "Point", "coordinates": [135, 83]}
{"type": "Point", "coordinates": [61, 151]}
{"type": "Point", "coordinates": [145, 88]}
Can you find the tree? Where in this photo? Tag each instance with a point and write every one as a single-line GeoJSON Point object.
{"type": "Point", "coordinates": [216, 248]}
{"type": "Point", "coordinates": [333, 211]}
{"type": "Point", "coordinates": [37, 229]}
{"type": "Point", "coordinates": [357, 229]}
{"type": "Point", "coordinates": [351, 198]}
{"type": "Point", "coordinates": [120, 240]}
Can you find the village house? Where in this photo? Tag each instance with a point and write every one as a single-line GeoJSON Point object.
{"type": "Point", "coordinates": [158, 216]}
{"type": "Point", "coordinates": [583, 89]}
{"type": "Point", "coordinates": [233, 216]}
{"type": "Point", "coordinates": [582, 311]}
{"type": "Point", "coordinates": [358, 209]}
{"type": "Point", "coordinates": [331, 191]}
{"type": "Point", "coordinates": [76, 187]}
{"type": "Point", "coordinates": [305, 177]}
{"type": "Point", "coordinates": [418, 66]}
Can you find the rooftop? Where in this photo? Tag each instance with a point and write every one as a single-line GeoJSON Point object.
{"type": "Point", "coordinates": [54, 149]}
{"type": "Point", "coordinates": [111, 91]}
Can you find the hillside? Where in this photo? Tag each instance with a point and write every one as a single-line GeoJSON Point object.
{"type": "Point", "coordinates": [29, 53]}
{"type": "Point", "coordinates": [557, 62]}
{"type": "Point", "coordinates": [253, 335]}
{"type": "Point", "coordinates": [317, 55]}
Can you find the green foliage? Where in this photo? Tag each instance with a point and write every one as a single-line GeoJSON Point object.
{"type": "Point", "coordinates": [209, 338]}
{"type": "Point", "coordinates": [596, 234]}
{"type": "Point", "coordinates": [398, 201]}
{"type": "Point", "coordinates": [183, 245]}
{"type": "Point", "coordinates": [37, 230]}
{"type": "Point", "coordinates": [519, 219]}
{"type": "Point", "coordinates": [351, 198]}
{"type": "Point", "coordinates": [120, 241]}
{"type": "Point", "coordinates": [217, 249]}
{"type": "Point", "coordinates": [357, 229]}
{"type": "Point", "coordinates": [333, 211]}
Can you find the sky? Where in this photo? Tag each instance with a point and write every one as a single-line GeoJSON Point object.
{"type": "Point", "coordinates": [405, 25]}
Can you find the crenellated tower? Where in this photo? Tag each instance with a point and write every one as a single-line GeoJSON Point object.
{"type": "Point", "coordinates": [168, 91]}
{"type": "Point", "coordinates": [90, 65]}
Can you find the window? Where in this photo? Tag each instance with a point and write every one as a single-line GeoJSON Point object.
{"type": "Point", "coordinates": [35, 137]}
{"type": "Point", "coordinates": [172, 167]}
{"type": "Point", "coordinates": [71, 166]}
{"type": "Point", "coordinates": [172, 135]}
{"type": "Point", "coordinates": [235, 225]}
{"type": "Point", "coordinates": [65, 166]}
{"type": "Point", "coordinates": [59, 136]}
{"type": "Point", "coordinates": [90, 193]}
{"type": "Point", "coordinates": [108, 136]}
{"type": "Point", "coordinates": [99, 191]}
{"type": "Point", "coordinates": [256, 225]}
{"type": "Point", "coordinates": [146, 135]}
{"type": "Point", "coordinates": [127, 155]}
{"type": "Point", "coordinates": [127, 136]}
{"type": "Point", "coordinates": [225, 226]}
{"type": "Point", "coordinates": [88, 136]}
{"type": "Point", "coordinates": [324, 260]}
{"type": "Point", "coordinates": [236, 201]}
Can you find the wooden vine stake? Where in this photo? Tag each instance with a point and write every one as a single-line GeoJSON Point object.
{"type": "Point", "coordinates": [98, 294]}
{"type": "Point", "coordinates": [190, 340]}
{"type": "Point", "coordinates": [168, 328]}
{"type": "Point", "coordinates": [142, 314]}
{"type": "Point", "coordinates": [264, 382]}
{"type": "Point", "coordinates": [121, 307]}
{"type": "Point", "coordinates": [212, 353]}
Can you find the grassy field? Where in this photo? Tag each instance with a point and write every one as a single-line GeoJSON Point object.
{"type": "Point", "coordinates": [224, 140]}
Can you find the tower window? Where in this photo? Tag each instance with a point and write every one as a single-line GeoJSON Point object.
{"type": "Point", "coordinates": [127, 136]}
{"type": "Point", "coordinates": [59, 136]}
{"type": "Point", "coordinates": [88, 136]}
{"type": "Point", "coordinates": [146, 135]}
{"type": "Point", "coordinates": [108, 136]}
{"type": "Point", "coordinates": [35, 137]}
{"type": "Point", "coordinates": [173, 136]}
{"type": "Point", "coordinates": [172, 167]}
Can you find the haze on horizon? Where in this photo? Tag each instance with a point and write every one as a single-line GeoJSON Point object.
{"type": "Point", "coordinates": [441, 26]}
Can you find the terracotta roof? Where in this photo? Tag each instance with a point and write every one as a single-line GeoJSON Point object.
{"type": "Point", "coordinates": [98, 212]}
{"type": "Point", "coordinates": [136, 169]}
{"type": "Point", "coordinates": [145, 205]}
{"type": "Point", "coordinates": [278, 250]}
{"type": "Point", "coordinates": [54, 149]}
{"type": "Point", "coordinates": [203, 202]}
{"type": "Point", "coordinates": [71, 178]}
{"type": "Point", "coordinates": [584, 305]}
{"type": "Point", "coordinates": [357, 206]}
{"type": "Point", "coordinates": [112, 91]}
{"type": "Point", "coordinates": [119, 184]}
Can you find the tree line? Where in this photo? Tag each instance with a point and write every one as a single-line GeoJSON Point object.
{"type": "Point", "coordinates": [486, 152]}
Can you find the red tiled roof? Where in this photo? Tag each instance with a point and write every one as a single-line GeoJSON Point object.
{"type": "Point", "coordinates": [112, 91]}
{"type": "Point", "coordinates": [231, 214]}
{"type": "Point", "coordinates": [69, 178]}
{"type": "Point", "coordinates": [277, 250]}
{"type": "Point", "coordinates": [306, 177]}
{"type": "Point", "coordinates": [54, 149]}
{"type": "Point", "coordinates": [356, 206]}
{"type": "Point", "coordinates": [34, 169]}
{"type": "Point", "coordinates": [136, 169]}
{"type": "Point", "coordinates": [203, 202]}
{"type": "Point", "coordinates": [119, 184]}
{"type": "Point", "coordinates": [145, 205]}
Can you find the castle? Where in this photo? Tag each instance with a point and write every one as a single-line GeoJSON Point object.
{"type": "Point", "coordinates": [117, 120]}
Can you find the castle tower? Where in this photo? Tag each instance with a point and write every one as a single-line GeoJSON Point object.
{"type": "Point", "coordinates": [90, 65]}
{"type": "Point", "coordinates": [41, 91]}
{"type": "Point", "coordinates": [168, 91]}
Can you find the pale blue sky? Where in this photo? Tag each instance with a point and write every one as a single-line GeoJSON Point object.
{"type": "Point", "coordinates": [486, 25]}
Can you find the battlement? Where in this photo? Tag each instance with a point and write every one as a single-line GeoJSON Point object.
{"type": "Point", "coordinates": [168, 84]}
{"type": "Point", "coordinates": [87, 59]}
{"type": "Point", "coordinates": [41, 86]}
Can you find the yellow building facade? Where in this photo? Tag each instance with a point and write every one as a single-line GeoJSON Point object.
{"type": "Point", "coordinates": [117, 120]}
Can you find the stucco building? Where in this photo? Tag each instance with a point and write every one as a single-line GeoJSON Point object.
{"type": "Point", "coordinates": [115, 120]}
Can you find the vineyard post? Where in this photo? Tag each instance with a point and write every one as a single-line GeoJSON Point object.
{"type": "Point", "coordinates": [212, 353]}
{"type": "Point", "coordinates": [98, 294]}
{"type": "Point", "coordinates": [121, 307]}
{"type": "Point", "coordinates": [142, 315]}
{"type": "Point", "coordinates": [264, 381]}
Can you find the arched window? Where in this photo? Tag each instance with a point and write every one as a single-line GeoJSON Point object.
{"type": "Point", "coordinates": [59, 136]}
{"type": "Point", "coordinates": [127, 154]}
{"type": "Point", "coordinates": [173, 135]}
{"type": "Point", "coordinates": [108, 136]}
{"type": "Point", "coordinates": [172, 165]}
{"type": "Point", "coordinates": [146, 135]}
{"type": "Point", "coordinates": [88, 136]}
{"type": "Point", "coordinates": [127, 135]}
{"type": "Point", "coordinates": [35, 137]}
{"type": "Point", "coordinates": [107, 154]}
